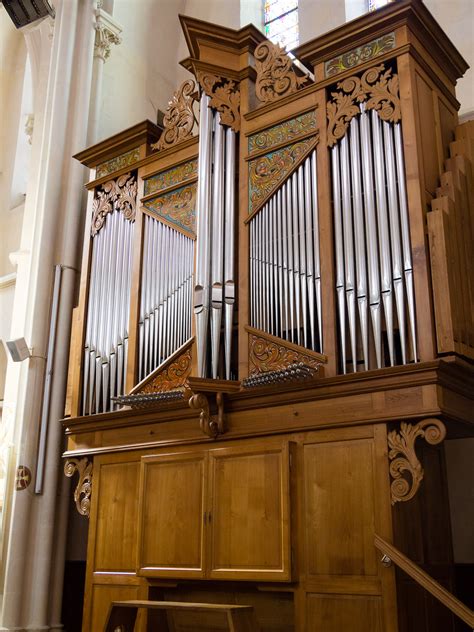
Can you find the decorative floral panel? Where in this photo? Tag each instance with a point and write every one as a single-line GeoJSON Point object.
{"type": "Point", "coordinates": [283, 133]}
{"type": "Point", "coordinates": [359, 55]}
{"type": "Point", "coordinates": [172, 177]}
{"type": "Point", "coordinates": [177, 207]}
{"type": "Point", "coordinates": [120, 162]}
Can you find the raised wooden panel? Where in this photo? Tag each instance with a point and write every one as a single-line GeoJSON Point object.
{"type": "Point", "coordinates": [102, 597]}
{"type": "Point", "coordinates": [171, 515]}
{"type": "Point", "coordinates": [250, 531]}
{"type": "Point", "coordinates": [117, 517]}
{"type": "Point", "coordinates": [339, 508]}
{"type": "Point", "coordinates": [338, 613]}
{"type": "Point", "coordinates": [426, 120]}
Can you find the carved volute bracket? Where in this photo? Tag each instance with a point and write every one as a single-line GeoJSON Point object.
{"type": "Point", "coordinates": [377, 88]}
{"type": "Point", "coordinates": [119, 194]}
{"type": "Point", "coordinates": [403, 456]}
{"type": "Point", "coordinates": [179, 119]}
{"type": "Point", "coordinates": [82, 493]}
{"type": "Point", "coordinates": [276, 74]}
{"type": "Point", "coordinates": [207, 395]}
{"type": "Point", "coordinates": [224, 95]}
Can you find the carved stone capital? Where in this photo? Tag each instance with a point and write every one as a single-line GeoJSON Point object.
{"type": "Point", "coordinates": [82, 493]}
{"type": "Point", "coordinates": [119, 194]}
{"type": "Point", "coordinates": [377, 88]}
{"type": "Point", "coordinates": [179, 119]}
{"type": "Point", "coordinates": [403, 456]}
{"type": "Point", "coordinates": [276, 74]}
{"type": "Point", "coordinates": [107, 33]}
{"type": "Point", "coordinates": [224, 95]}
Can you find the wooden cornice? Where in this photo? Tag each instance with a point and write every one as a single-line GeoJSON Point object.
{"type": "Point", "coordinates": [142, 133]}
{"type": "Point", "coordinates": [202, 37]}
{"type": "Point", "coordinates": [410, 13]}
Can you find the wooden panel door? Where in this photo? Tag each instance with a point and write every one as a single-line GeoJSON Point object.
{"type": "Point", "coordinates": [249, 519]}
{"type": "Point", "coordinates": [171, 532]}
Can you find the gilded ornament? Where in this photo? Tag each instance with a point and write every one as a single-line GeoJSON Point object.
{"type": "Point", "coordinates": [266, 355]}
{"type": "Point", "coordinates": [82, 493]}
{"type": "Point", "coordinates": [267, 172]}
{"type": "Point", "coordinates": [171, 377]}
{"type": "Point", "coordinates": [179, 117]}
{"type": "Point", "coordinates": [119, 195]}
{"type": "Point", "coordinates": [177, 207]}
{"type": "Point", "coordinates": [403, 443]}
{"type": "Point", "coordinates": [120, 162]}
{"type": "Point", "coordinates": [359, 55]}
{"type": "Point", "coordinates": [377, 88]}
{"type": "Point", "coordinates": [276, 75]}
{"type": "Point", "coordinates": [283, 133]}
{"type": "Point", "coordinates": [224, 97]}
{"type": "Point", "coordinates": [172, 177]}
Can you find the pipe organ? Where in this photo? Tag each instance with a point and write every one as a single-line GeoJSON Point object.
{"type": "Point", "coordinates": [269, 349]}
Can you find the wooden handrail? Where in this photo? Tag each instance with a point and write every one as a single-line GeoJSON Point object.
{"type": "Point", "coordinates": [422, 578]}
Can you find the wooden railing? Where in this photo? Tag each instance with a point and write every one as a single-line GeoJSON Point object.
{"type": "Point", "coordinates": [392, 554]}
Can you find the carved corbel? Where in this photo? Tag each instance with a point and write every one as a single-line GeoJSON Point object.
{"type": "Point", "coordinates": [207, 396]}
{"type": "Point", "coordinates": [82, 493]}
{"type": "Point", "coordinates": [377, 88]}
{"type": "Point", "coordinates": [403, 456]}
{"type": "Point", "coordinates": [224, 97]}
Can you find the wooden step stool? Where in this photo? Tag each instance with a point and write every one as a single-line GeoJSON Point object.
{"type": "Point", "coordinates": [123, 614]}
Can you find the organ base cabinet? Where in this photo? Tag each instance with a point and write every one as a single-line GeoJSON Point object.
{"type": "Point", "coordinates": [274, 333]}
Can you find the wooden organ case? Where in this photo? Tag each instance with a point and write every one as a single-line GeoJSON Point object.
{"type": "Point", "coordinates": [274, 333]}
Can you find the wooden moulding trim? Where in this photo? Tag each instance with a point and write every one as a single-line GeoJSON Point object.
{"type": "Point", "coordinates": [287, 344]}
{"type": "Point", "coordinates": [412, 13]}
{"type": "Point", "coordinates": [423, 579]}
{"type": "Point", "coordinates": [118, 144]}
{"type": "Point", "coordinates": [436, 373]}
{"type": "Point", "coordinates": [154, 157]}
{"type": "Point", "coordinates": [287, 176]}
{"type": "Point", "coordinates": [167, 222]}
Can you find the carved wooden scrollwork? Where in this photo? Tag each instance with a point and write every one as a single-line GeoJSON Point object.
{"type": "Point", "coordinates": [276, 75]}
{"type": "Point", "coordinates": [179, 117]}
{"type": "Point", "coordinates": [377, 87]}
{"type": "Point", "coordinates": [212, 426]}
{"type": "Point", "coordinates": [171, 377]}
{"type": "Point", "coordinates": [266, 355]}
{"type": "Point", "coordinates": [403, 456]}
{"type": "Point", "coordinates": [225, 97]}
{"type": "Point", "coordinates": [82, 493]}
{"type": "Point", "coordinates": [119, 194]}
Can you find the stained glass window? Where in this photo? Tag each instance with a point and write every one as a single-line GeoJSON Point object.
{"type": "Point", "coordinates": [376, 4]}
{"type": "Point", "coordinates": [281, 22]}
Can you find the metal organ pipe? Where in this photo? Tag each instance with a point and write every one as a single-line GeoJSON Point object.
{"type": "Point", "coordinates": [105, 349]}
{"type": "Point", "coordinates": [285, 286]}
{"type": "Point", "coordinates": [372, 240]}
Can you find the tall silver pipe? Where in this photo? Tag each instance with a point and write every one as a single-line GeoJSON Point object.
{"type": "Point", "coordinates": [384, 238]}
{"type": "Point", "coordinates": [309, 251]}
{"type": "Point", "coordinates": [359, 238]}
{"type": "Point", "coordinates": [348, 236]}
{"type": "Point", "coordinates": [281, 296]}
{"type": "Point", "coordinates": [201, 290]}
{"type": "Point", "coordinates": [339, 249]}
{"type": "Point", "coordinates": [285, 264]}
{"type": "Point", "coordinates": [405, 231]}
{"type": "Point", "coordinates": [371, 235]}
{"type": "Point", "coordinates": [395, 238]}
{"type": "Point", "coordinates": [317, 265]}
{"type": "Point", "coordinates": [302, 252]}
{"type": "Point", "coordinates": [291, 267]}
{"type": "Point", "coordinates": [293, 182]}
{"type": "Point", "coordinates": [229, 239]}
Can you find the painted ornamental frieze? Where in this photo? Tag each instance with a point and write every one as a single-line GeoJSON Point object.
{"type": "Point", "coordinates": [403, 456]}
{"type": "Point", "coordinates": [359, 55]}
{"type": "Point", "coordinates": [377, 88]}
